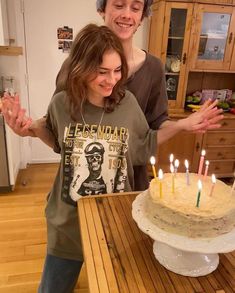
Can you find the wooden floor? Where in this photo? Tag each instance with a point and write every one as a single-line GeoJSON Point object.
{"type": "Point", "coordinates": [23, 232]}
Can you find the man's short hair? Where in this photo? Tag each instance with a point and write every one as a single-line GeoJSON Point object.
{"type": "Point", "coordinates": [101, 4]}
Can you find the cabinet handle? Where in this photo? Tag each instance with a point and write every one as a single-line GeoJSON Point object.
{"type": "Point", "coordinates": [184, 58]}
{"type": "Point", "coordinates": [224, 124]}
{"type": "Point", "coordinates": [230, 38]}
{"type": "Point", "coordinates": [222, 139]}
{"type": "Point", "coordinates": [197, 146]}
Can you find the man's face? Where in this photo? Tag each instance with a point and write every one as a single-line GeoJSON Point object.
{"type": "Point", "coordinates": [123, 17]}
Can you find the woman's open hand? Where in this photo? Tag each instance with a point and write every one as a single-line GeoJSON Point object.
{"type": "Point", "coordinates": [15, 115]}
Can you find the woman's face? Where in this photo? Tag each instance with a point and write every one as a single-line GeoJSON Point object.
{"type": "Point", "coordinates": [123, 17]}
{"type": "Point", "coordinates": [102, 82]}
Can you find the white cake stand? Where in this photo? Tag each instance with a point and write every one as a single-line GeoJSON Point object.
{"type": "Point", "coordinates": [179, 254]}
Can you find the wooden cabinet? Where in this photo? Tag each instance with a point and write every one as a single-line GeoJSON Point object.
{"type": "Point", "coordinates": [212, 41]}
{"type": "Point", "coordinates": [193, 38]}
{"type": "Point", "coordinates": [218, 144]}
{"type": "Point", "coordinates": [196, 42]}
{"type": "Point", "coordinates": [171, 43]}
{"type": "Point", "coordinates": [220, 149]}
{"type": "Point", "coordinates": [183, 146]}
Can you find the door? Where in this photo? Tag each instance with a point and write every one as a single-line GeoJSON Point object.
{"type": "Point", "coordinates": [213, 37]}
{"type": "Point", "coordinates": [176, 36]}
{"type": "Point", "coordinates": [42, 18]}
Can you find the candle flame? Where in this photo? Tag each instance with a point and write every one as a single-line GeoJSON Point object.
{"type": "Point", "coordinates": [152, 160]}
{"type": "Point", "coordinates": [171, 158]}
{"type": "Point", "coordinates": [203, 153]}
{"type": "Point", "coordinates": [213, 178]}
{"type": "Point", "coordinates": [177, 163]}
{"type": "Point", "coordinates": [199, 184]}
{"type": "Point", "coordinates": [160, 174]}
{"type": "Point", "coordinates": [172, 168]}
{"type": "Point", "coordinates": [207, 163]}
{"type": "Point", "coordinates": [186, 164]}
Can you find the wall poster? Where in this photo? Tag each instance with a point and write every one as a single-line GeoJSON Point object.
{"type": "Point", "coordinates": [65, 38]}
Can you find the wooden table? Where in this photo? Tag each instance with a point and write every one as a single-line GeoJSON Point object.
{"type": "Point", "coordinates": [119, 256]}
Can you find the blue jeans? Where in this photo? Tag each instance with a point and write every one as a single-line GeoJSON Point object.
{"type": "Point", "coordinates": [59, 275]}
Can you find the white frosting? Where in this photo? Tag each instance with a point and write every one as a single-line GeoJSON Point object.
{"type": "Point", "coordinates": [177, 212]}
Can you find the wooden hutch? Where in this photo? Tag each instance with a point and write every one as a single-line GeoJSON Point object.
{"type": "Point", "coordinates": [196, 42]}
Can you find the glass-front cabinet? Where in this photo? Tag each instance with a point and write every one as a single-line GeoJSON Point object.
{"type": "Point", "coordinates": [174, 39]}
{"type": "Point", "coordinates": [213, 37]}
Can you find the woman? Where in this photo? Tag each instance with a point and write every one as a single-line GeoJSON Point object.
{"type": "Point", "coordinates": [146, 78]}
{"type": "Point", "coordinates": [100, 132]}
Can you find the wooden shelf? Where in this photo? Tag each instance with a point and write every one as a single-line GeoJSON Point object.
{"type": "Point", "coordinates": [11, 51]}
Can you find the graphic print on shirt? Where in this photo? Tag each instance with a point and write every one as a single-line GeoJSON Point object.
{"type": "Point", "coordinates": [94, 160]}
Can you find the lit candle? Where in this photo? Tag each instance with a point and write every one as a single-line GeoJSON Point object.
{"type": "Point", "coordinates": [206, 168]}
{"type": "Point", "coordinates": [201, 162]}
{"type": "Point", "coordinates": [187, 171]}
{"type": "Point", "coordinates": [172, 178]}
{"type": "Point", "coordinates": [176, 164]}
{"type": "Point", "coordinates": [152, 162]}
{"type": "Point", "coordinates": [160, 177]}
{"type": "Point", "coordinates": [213, 179]}
{"type": "Point", "coordinates": [199, 192]}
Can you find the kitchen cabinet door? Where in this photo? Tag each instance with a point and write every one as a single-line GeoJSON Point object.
{"type": "Point", "coordinates": [212, 37]}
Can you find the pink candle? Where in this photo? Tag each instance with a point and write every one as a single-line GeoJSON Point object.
{"type": "Point", "coordinates": [201, 162]}
{"type": "Point", "coordinates": [206, 169]}
{"type": "Point", "coordinates": [172, 178]}
{"type": "Point", "coordinates": [213, 179]}
{"type": "Point", "coordinates": [160, 177]}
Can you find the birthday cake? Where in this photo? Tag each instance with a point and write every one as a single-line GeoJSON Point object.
{"type": "Point", "coordinates": [175, 209]}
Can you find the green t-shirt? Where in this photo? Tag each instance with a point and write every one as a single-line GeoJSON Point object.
{"type": "Point", "coordinates": [97, 157]}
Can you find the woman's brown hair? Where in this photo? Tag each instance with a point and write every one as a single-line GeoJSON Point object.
{"type": "Point", "coordinates": [84, 59]}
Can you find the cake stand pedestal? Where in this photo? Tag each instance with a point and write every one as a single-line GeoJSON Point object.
{"type": "Point", "coordinates": [180, 254]}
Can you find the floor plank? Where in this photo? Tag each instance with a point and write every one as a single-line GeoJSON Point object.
{"type": "Point", "coordinates": [23, 231]}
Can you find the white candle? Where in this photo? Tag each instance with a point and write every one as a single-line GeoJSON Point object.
{"type": "Point", "coordinates": [176, 164]}
{"type": "Point", "coordinates": [187, 171]}
{"type": "Point", "coordinates": [201, 162]}
{"type": "Point", "coordinates": [206, 168]}
{"type": "Point", "coordinates": [171, 158]}
{"type": "Point", "coordinates": [152, 162]}
{"type": "Point", "coordinates": [213, 179]}
{"type": "Point", "coordinates": [172, 179]}
{"type": "Point", "coordinates": [160, 177]}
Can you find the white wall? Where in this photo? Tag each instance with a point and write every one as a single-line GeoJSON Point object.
{"type": "Point", "coordinates": [43, 59]}
{"type": "Point", "coordinates": [4, 38]}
